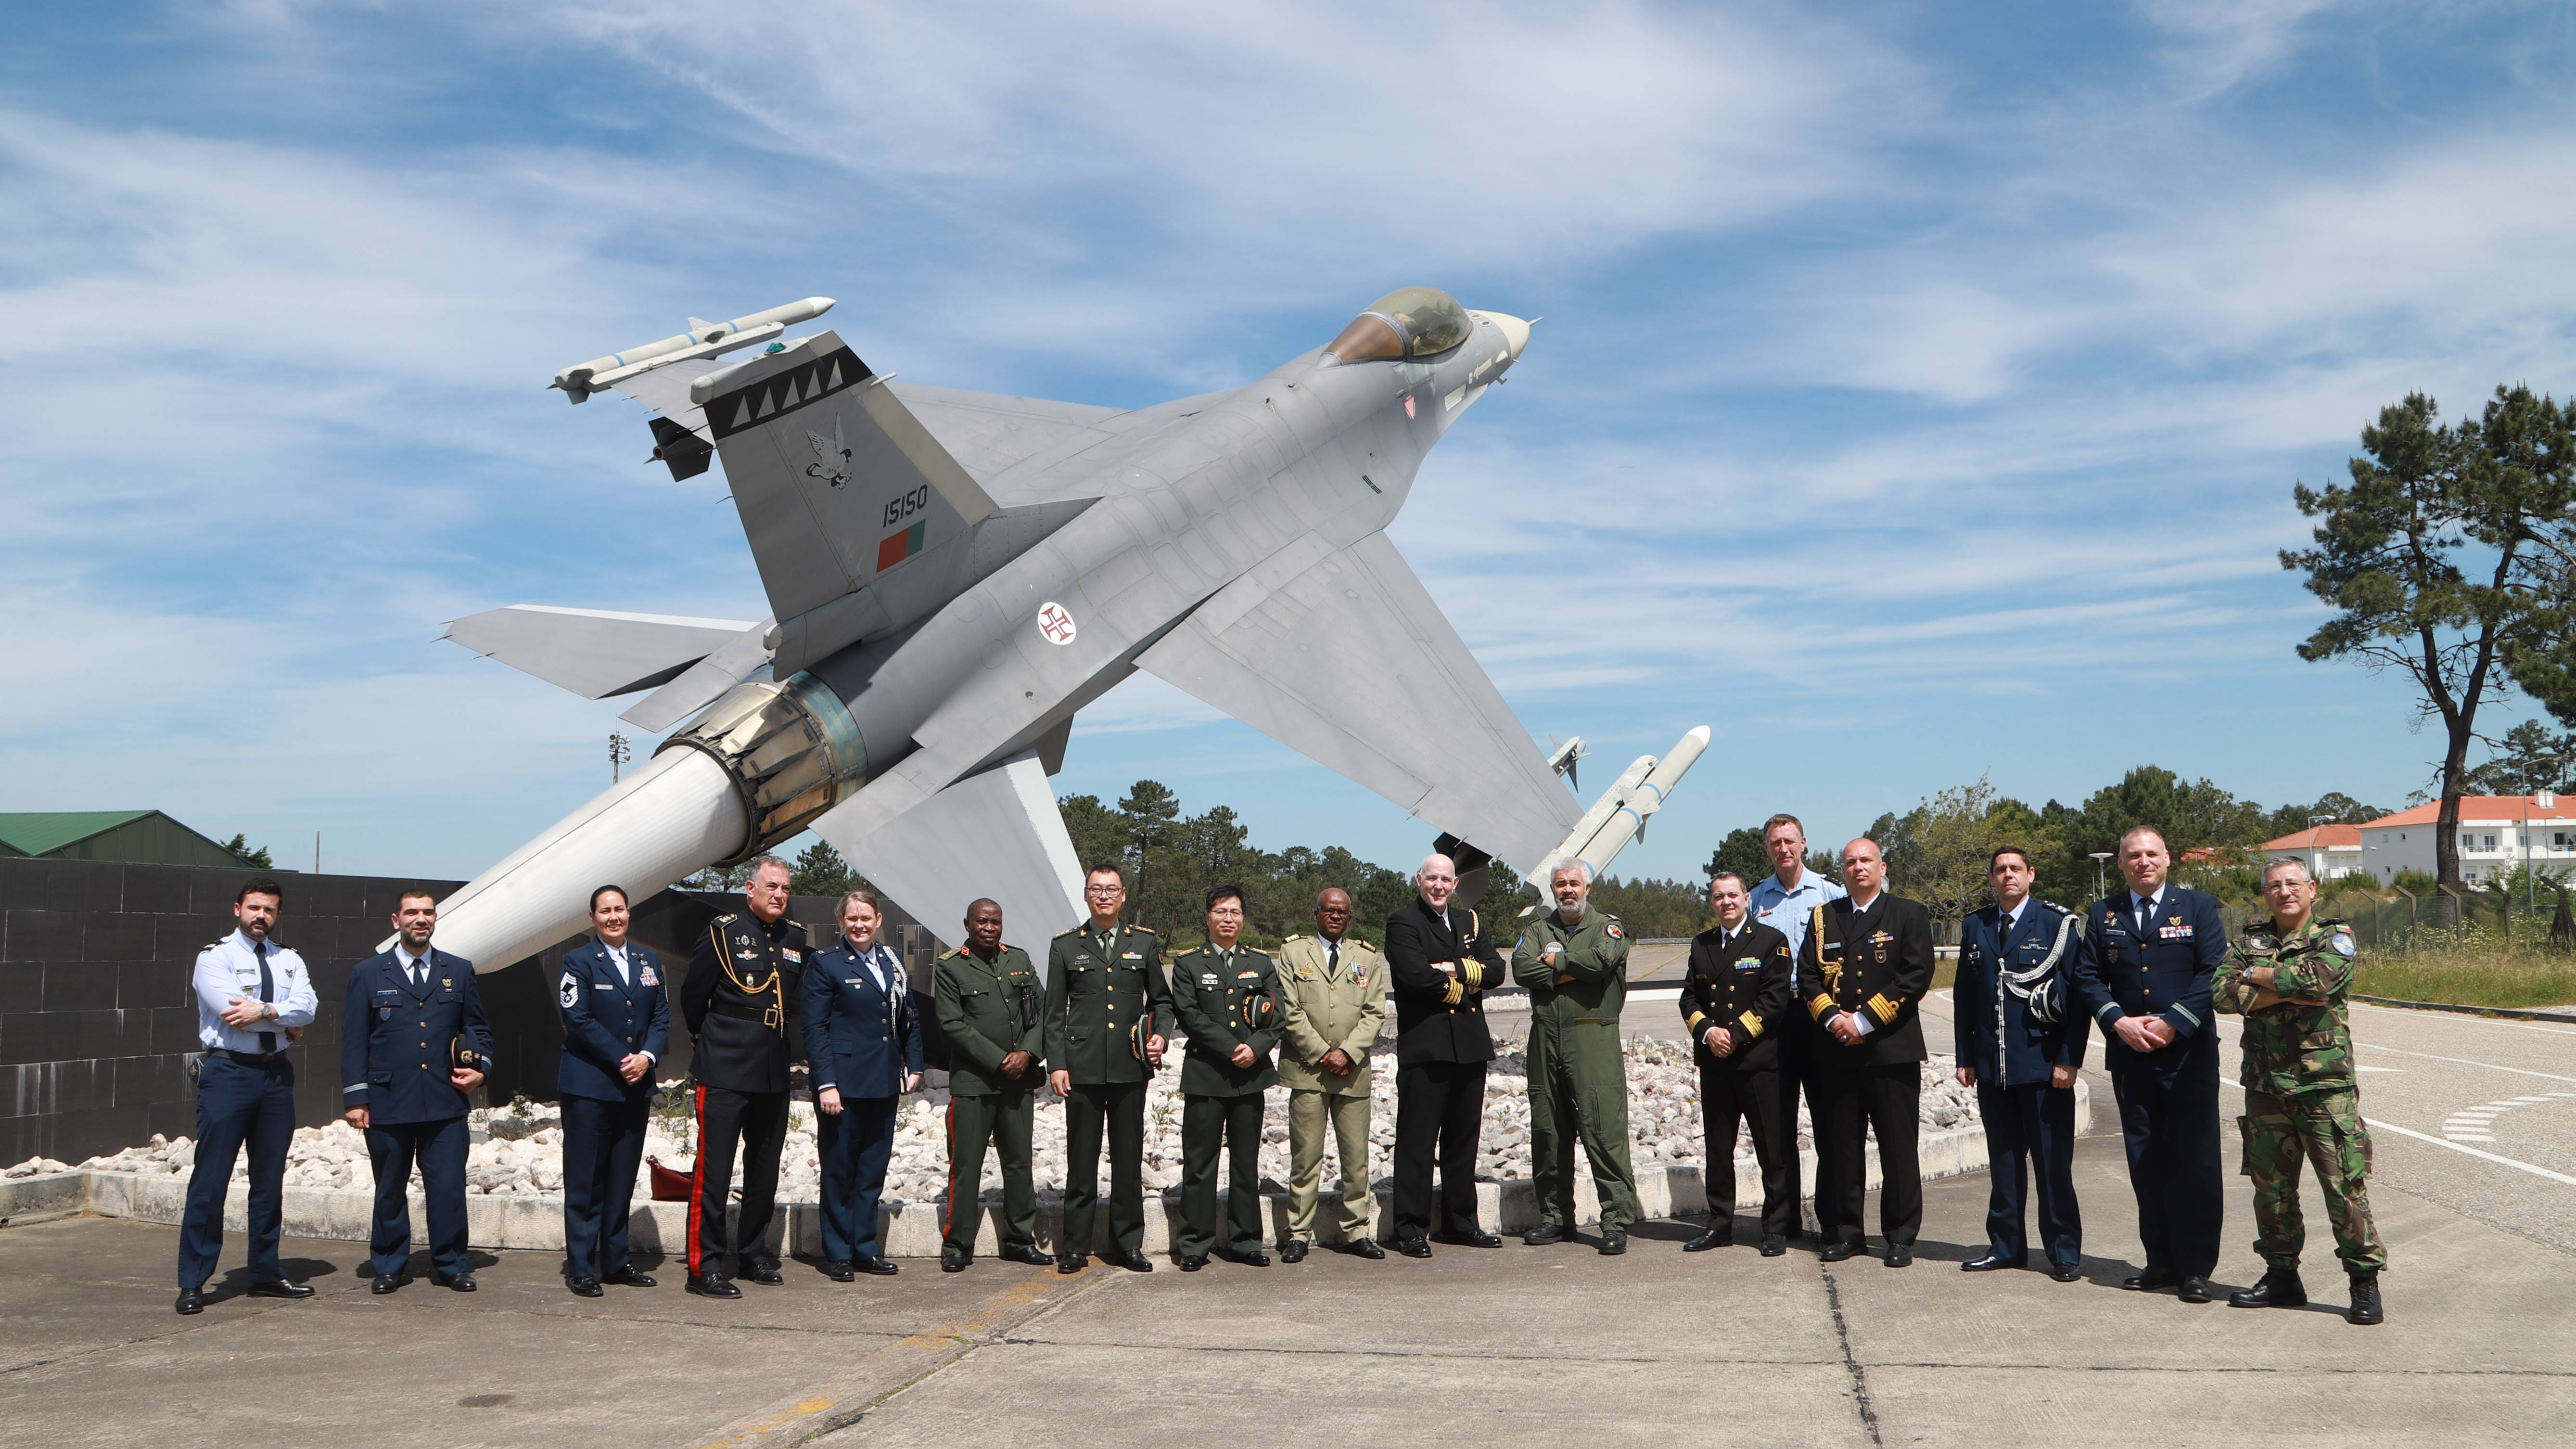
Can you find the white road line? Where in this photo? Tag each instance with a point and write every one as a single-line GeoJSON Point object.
{"type": "Point", "coordinates": [2419, 1015]}
{"type": "Point", "coordinates": [2558, 1177]}
{"type": "Point", "coordinates": [2465, 1062]}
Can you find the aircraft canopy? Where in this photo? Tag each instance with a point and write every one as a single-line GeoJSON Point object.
{"type": "Point", "coordinates": [1411, 322]}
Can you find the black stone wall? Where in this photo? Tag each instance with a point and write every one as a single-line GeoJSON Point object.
{"type": "Point", "coordinates": [98, 1033]}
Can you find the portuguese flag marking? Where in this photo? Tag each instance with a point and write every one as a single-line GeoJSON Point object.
{"type": "Point", "coordinates": [896, 547]}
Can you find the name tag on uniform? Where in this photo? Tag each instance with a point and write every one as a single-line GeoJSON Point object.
{"type": "Point", "coordinates": [850, 981]}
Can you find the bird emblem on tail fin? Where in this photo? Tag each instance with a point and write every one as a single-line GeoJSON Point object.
{"type": "Point", "coordinates": [834, 467]}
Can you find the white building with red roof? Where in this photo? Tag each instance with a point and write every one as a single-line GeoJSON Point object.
{"type": "Point", "coordinates": [2498, 834]}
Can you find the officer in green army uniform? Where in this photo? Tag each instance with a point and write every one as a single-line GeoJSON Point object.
{"type": "Point", "coordinates": [1108, 1015]}
{"type": "Point", "coordinates": [1227, 999]}
{"type": "Point", "coordinates": [989, 1004]}
{"type": "Point", "coordinates": [2288, 977]}
{"type": "Point", "coordinates": [1574, 962]}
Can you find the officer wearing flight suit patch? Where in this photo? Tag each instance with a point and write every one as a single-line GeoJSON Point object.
{"type": "Point", "coordinates": [1573, 961]}
{"type": "Point", "coordinates": [991, 1008]}
{"type": "Point", "coordinates": [1227, 1000]}
{"type": "Point", "coordinates": [744, 977]}
{"type": "Point", "coordinates": [1108, 1015]}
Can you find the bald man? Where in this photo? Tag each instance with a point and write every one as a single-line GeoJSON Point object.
{"type": "Point", "coordinates": [1862, 973]}
{"type": "Point", "coordinates": [1439, 965]}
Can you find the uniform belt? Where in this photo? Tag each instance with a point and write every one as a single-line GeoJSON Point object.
{"type": "Point", "coordinates": [730, 1011]}
{"type": "Point", "coordinates": [248, 1059]}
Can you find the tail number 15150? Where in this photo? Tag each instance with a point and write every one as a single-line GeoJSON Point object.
{"type": "Point", "coordinates": [905, 505]}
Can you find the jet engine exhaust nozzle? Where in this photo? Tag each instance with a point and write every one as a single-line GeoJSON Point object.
{"type": "Point", "coordinates": [791, 748]}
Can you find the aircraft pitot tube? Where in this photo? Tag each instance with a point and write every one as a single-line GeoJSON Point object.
{"type": "Point", "coordinates": [760, 765]}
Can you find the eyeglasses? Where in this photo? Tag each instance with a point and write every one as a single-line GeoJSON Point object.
{"type": "Point", "coordinates": [1102, 890]}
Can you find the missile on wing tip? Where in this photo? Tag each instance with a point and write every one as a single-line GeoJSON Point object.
{"type": "Point", "coordinates": [1620, 815]}
{"type": "Point", "coordinates": [582, 379]}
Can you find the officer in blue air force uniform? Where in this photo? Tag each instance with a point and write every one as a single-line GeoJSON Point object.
{"type": "Point", "coordinates": [863, 1045]}
{"type": "Point", "coordinates": [2020, 1046]}
{"type": "Point", "coordinates": [2150, 955]}
{"type": "Point", "coordinates": [413, 1042]}
{"type": "Point", "coordinates": [254, 998]}
{"type": "Point", "coordinates": [616, 1010]}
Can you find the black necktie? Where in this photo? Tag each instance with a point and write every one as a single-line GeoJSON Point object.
{"type": "Point", "coordinates": [267, 992]}
{"type": "Point", "coordinates": [2146, 914]}
{"type": "Point", "coordinates": [1333, 957]}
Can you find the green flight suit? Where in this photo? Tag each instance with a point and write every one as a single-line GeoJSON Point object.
{"type": "Point", "coordinates": [1224, 999]}
{"type": "Point", "coordinates": [1578, 1078]}
{"type": "Point", "coordinates": [1103, 988]}
{"type": "Point", "coordinates": [2301, 1099]}
{"type": "Point", "coordinates": [987, 1010]}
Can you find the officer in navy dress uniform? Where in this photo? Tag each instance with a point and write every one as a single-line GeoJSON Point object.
{"type": "Point", "coordinates": [616, 1012]}
{"type": "Point", "coordinates": [254, 998]}
{"type": "Point", "coordinates": [863, 1043]}
{"type": "Point", "coordinates": [1440, 965]}
{"type": "Point", "coordinates": [741, 991]}
{"type": "Point", "coordinates": [1733, 1003]}
{"type": "Point", "coordinates": [2144, 972]}
{"type": "Point", "coordinates": [1865, 967]}
{"type": "Point", "coordinates": [413, 1042]}
{"type": "Point", "coordinates": [2020, 1045]}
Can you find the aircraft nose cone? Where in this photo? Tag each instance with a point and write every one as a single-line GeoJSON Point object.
{"type": "Point", "coordinates": [1515, 331]}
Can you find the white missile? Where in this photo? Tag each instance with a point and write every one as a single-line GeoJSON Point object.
{"type": "Point", "coordinates": [703, 339]}
{"type": "Point", "coordinates": [1620, 815]}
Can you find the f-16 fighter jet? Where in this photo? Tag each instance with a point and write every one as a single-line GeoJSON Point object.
{"type": "Point", "coordinates": [952, 576]}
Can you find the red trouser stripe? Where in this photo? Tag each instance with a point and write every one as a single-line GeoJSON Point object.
{"type": "Point", "coordinates": [698, 1182]}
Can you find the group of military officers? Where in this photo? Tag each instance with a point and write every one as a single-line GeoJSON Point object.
{"type": "Point", "coordinates": [1802, 985]}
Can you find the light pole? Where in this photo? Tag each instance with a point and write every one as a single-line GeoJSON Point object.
{"type": "Point", "coordinates": [2099, 856]}
{"type": "Point", "coordinates": [618, 755]}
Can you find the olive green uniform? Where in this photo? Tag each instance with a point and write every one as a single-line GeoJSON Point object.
{"type": "Point", "coordinates": [2301, 1099]}
{"type": "Point", "coordinates": [1224, 999]}
{"type": "Point", "coordinates": [987, 1010]}
{"type": "Point", "coordinates": [1104, 988]}
{"type": "Point", "coordinates": [1578, 1079]}
{"type": "Point", "coordinates": [1329, 998]}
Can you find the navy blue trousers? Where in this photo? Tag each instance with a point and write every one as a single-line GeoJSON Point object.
{"type": "Point", "coordinates": [2169, 1124]}
{"type": "Point", "coordinates": [237, 1105]}
{"type": "Point", "coordinates": [2030, 1134]}
{"type": "Point", "coordinates": [439, 1150]}
{"type": "Point", "coordinates": [603, 1147]}
{"type": "Point", "coordinates": [856, 1143]}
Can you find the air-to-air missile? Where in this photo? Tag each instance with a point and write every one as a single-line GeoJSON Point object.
{"type": "Point", "coordinates": [951, 576]}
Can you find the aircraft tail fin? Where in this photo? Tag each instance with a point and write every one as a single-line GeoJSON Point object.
{"type": "Point", "coordinates": [836, 481]}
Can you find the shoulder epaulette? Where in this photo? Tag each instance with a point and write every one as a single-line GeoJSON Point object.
{"type": "Point", "coordinates": [952, 953]}
{"type": "Point", "coordinates": [211, 945]}
{"type": "Point", "coordinates": [1068, 931]}
{"type": "Point", "coordinates": [2335, 922]}
{"type": "Point", "coordinates": [726, 919]}
{"type": "Point", "coordinates": [1147, 930]}
{"type": "Point", "coordinates": [2054, 906]}
{"type": "Point", "coordinates": [1301, 936]}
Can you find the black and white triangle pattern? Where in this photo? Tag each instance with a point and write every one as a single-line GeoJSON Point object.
{"type": "Point", "coordinates": [835, 371]}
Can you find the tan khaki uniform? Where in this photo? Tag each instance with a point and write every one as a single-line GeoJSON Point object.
{"type": "Point", "coordinates": [1328, 1000]}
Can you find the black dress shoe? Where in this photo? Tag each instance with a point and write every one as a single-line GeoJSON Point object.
{"type": "Point", "coordinates": [191, 1300]}
{"type": "Point", "coordinates": [280, 1288]}
{"type": "Point", "coordinates": [2366, 1308]}
{"type": "Point", "coordinates": [1613, 1242]}
{"type": "Point", "coordinates": [1989, 1263]}
{"type": "Point", "coordinates": [1191, 1265]}
{"type": "Point", "coordinates": [386, 1283]}
{"type": "Point", "coordinates": [764, 1274]}
{"type": "Point", "coordinates": [2280, 1288]}
{"type": "Point", "coordinates": [2065, 1272]}
{"type": "Point", "coordinates": [1072, 1263]}
{"type": "Point", "coordinates": [1472, 1238]}
{"type": "Point", "coordinates": [1713, 1238]}
{"type": "Point", "coordinates": [1293, 1251]}
{"type": "Point", "coordinates": [1132, 1261]}
{"type": "Point", "coordinates": [874, 1266]}
{"type": "Point", "coordinates": [1836, 1252]}
{"type": "Point", "coordinates": [1540, 1236]}
{"type": "Point", "coordinates": [1413, 1247]}
{"type": "Point", "coordinates": [461, 1282]}
{"type": "Point", "coordinates": [714, 1285]}
{"type": "Point", "coordinates": [838, 1271]}
{"type": "Point", "coordinates": [1030, 1256]}
{"type": "Point", "coordinates": [954, 1260]}
{"type": "Point", "coordinates": [2194, 1289]}
{"type": "Point", "coordinates": [1254, 1259]}
{"type": "Point", "coordinates": [2150, 1280]}
{"type": "Point", "coordinates": [1364, 1248]}
{"type": "Point", "coordinates": [584, 1287]}
{"type": "Point", "coordinates": [1901, 1256]}
{"type": "Point", "coordinates": [628, 1277]}
{"type": "Point", "coordinates": [1775, 1247]}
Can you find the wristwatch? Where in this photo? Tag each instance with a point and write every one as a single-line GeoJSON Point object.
{"type": "Point", "coordinates": [268, 1011]}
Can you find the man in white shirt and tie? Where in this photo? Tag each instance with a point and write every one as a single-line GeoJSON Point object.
{"type": "Point", "coordinates": [254, 998]}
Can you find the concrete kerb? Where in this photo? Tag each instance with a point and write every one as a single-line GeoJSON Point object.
{"type": "Point", "coordinates": [911, 1230]}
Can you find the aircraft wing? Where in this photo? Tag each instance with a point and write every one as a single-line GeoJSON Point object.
{"type": "Point", "coordinates": [1341, 655]}
{"type": "Point", "coordinates": [996, 833]}
{"type": "Point", "coordinates": [595, 653]}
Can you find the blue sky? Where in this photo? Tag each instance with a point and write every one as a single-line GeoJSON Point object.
{"type": "Point", "coordinates": [1919, 396]}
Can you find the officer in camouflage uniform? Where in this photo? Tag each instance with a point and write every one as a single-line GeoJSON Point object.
{"type": "Point", "coordinates": [991, 1009]}
{"type": "Point", "coordinates": [2288, 977]}
{"type": "Point", "coordinates": [1574, 962]}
